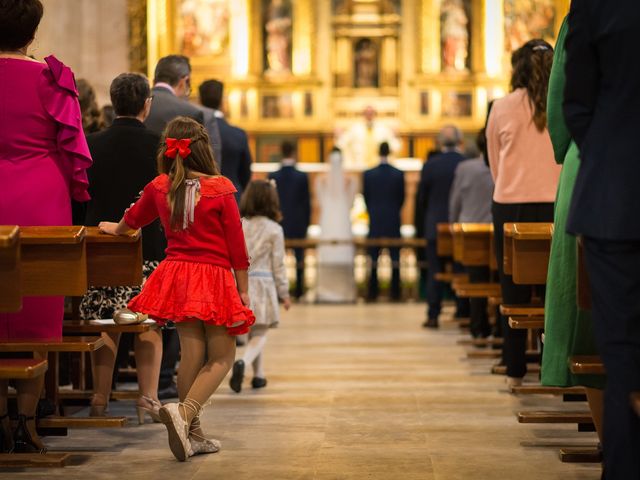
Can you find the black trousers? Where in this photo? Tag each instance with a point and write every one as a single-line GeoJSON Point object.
{"type": "Point", "coordinates": [299, 254]}
{"type": "Point", "coordinates": [515, 341]}
{"type": "Point", "coordinates": [374, 253]}
{"type": "Point", "coordinates": [435, 289]}
{"type": "Point", "coordinates": [480, 327]}
{"type": "Point", "coordinates": [614, 275]}
{"type": "Point", "coordinates": [170, 354]}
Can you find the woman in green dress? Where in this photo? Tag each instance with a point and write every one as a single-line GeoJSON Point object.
{"type": "Point", "coordinates": [568, 329]}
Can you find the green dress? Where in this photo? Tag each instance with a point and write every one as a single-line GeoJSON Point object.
{"type": "Point", "coordinates": [568, 330]}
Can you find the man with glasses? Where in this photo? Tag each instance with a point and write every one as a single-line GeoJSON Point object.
{"type": "Point", "coordinates": [171, 90]}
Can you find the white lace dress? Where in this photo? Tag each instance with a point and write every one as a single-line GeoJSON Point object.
{"type": "Point", "coordinates": [267, 274]}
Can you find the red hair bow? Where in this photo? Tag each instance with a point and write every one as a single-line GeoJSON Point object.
{"type": "Point", "coordinates": [175, 146]}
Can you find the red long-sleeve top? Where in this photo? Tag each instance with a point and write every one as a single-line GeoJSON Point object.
{"type": "Point", "coordinates": [215, 236]}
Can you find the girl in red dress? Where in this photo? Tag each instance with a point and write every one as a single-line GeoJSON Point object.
{"type": "Point", "coordinates": [194, 286]}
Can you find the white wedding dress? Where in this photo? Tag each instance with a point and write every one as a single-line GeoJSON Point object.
{"type": "Point", "coordinates": [336, 193]}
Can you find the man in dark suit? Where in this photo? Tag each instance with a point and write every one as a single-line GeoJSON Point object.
{"type": "Point", "coordinates": [602, 111]}
{"type": "Point", "coordinates": [171, 89]}
{"type": "Point", "coordinates": [236, 156]}
{"type": "Point", "coordinates": [383, 190]}
{"type": "Point", "coordinates": [295, 203]}
{"type": "Point", "coordinates": [435, 185]}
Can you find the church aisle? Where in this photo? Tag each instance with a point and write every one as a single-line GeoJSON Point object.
{"type": "Point", "coordinates": [355, 392]}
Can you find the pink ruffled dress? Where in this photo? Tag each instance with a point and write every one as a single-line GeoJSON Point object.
{"type": "Point", "coordinates": [43, 162]}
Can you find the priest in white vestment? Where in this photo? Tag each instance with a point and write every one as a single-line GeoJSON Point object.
{"type": "Point", "coordinates": [360, 143]}
{"type": "Point", "coordinates": [336, 192]}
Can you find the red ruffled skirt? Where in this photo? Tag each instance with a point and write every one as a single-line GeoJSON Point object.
{"type": "Point", "coordinates": [186, 291]}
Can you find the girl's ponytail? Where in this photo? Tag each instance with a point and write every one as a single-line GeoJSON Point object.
{"type": "Point", "coordinates": [184, 148]}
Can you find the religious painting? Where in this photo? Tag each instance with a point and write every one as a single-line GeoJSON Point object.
{"type": "Point", "coordinates": [457, 104]}
{"type": "Point", "coordinates": [365, 64]}
{"type": "Point", "coordinates": [424, 103]}
{"type": "Point", "coordinates": [455, 16]}
{"type": "Point", "coordinates": [277, 35]}
{"type": "Point", "coordinates": [277, 106]}
{"type": "Point", "coordinates": [269, 147]}
{"type": "Point", "coordinates": [528, 19]}
{"type": "Point", "coordinates": [203, 27]}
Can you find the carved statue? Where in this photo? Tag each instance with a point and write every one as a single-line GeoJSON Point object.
{"type": "Point", "coordinates": [454, 24]}
{"type": "Point", "coordinates": [278, 36]}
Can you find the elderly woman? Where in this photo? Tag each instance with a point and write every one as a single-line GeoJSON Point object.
{"type": "Point", "coordinates": [43, 159]}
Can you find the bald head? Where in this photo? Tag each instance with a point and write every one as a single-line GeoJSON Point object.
{"type": "Point", "coordinates": [369, 114]}
{"type": "Point", "coordinates": [450, 137]}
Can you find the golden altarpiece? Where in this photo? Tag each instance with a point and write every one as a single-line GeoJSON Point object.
{"type": "Point", "coordinates": [306, 69]}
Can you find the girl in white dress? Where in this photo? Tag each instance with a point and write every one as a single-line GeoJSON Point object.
{"type": "Point", "coordinates": [268, 281]}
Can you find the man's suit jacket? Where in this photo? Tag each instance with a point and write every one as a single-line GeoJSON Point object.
{"type": "Point", "coordinates": [236, 156]}
{"type": "Point", "coordinates": [295, 201]}
{"type": "Point", "coordinates": [124, 161]}
{"type": "Point", "coordinates": [166, 106]}
{"type": "Point", "coordinates": [383, 190]}
{"type": "Point", "coordinates": [435, 185]}
{"type": "Point", "coordinates": [211, 125]}
{"type": "Point", "coordinates": [602, 112]}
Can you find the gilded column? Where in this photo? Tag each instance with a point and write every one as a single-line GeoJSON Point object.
{"type": "Point", "coordinates": [430, 36]}
{"type": "Point", "coordinates": [493, 17]}
{"type": "Point", "coordinates": [303, 30]}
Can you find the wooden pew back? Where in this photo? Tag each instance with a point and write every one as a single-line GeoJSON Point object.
{"type": "Point", "coordinates": [10, 272]}
{"type": "Point", "coordinates": [53, 261]}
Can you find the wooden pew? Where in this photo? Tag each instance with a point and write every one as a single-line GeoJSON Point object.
{"type": "Point", "coordinates": [113, 260]}
{"type": "Point", "coordinates": [10, 272]}
{"type": "Point", "coordinates": [528, 245]}
{"type": "Point", "coordinates": [53, 261]}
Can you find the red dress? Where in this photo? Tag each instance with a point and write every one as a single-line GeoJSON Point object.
{"type": "Point", "coordinates": [195, 281]}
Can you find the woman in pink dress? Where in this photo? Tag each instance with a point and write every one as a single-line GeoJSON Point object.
{"type": "Point", "coordinates": [43, 159]}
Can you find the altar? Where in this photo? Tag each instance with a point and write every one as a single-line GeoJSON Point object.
{"type": "Point", "coordinates": [305, 70]}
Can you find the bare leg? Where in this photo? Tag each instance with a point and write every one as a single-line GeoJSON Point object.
{"type": "Point", "coordinates": [102, 362]}
{"type": "Point", "coordinates": [221, 351]}
{"type": "Point", "coordinates": [148, 347]}
{"type": "Point", "coordinates": [192, 350]}
{"type": "Point", "coordinates": [595, 398]}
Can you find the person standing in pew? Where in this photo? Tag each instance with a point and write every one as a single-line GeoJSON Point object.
{"type": "Point", "coordinates": [470, 202]}
{"type": "Point", "coordinates": [383, 191]}
{"type": "Point", "coordinates": [525, 175]}
{"type": "Point", "coordinates": [235, 160]}
{"type": "Point", "coordinates": [124, 161]}
{"type": "Point", "coordinates": [602, 110]}
{"type": "Point", "coordinates": [435, 186]}
{"type": "Point", "coordinates": [568, 329]}
{"type": "Point", "coordinates": [194, 287]}
{"type": "Point", "coordinates": [295, 202]}
{"type": "Point", "coordinates": [43, 162]}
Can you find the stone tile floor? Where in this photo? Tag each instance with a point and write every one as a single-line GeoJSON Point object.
{"type": "Point", "coordinates": [355, 392]}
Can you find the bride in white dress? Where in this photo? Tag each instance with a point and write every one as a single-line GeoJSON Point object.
{"type": "Point", "coordinates": [336, 193]}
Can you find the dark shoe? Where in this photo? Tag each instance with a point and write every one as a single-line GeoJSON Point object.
{"type": "Point", "coordinates": [6, 438]}
{"type": "Point", "coordinates": [431, 323]}
{"type": "Point", "coordinates": [237, 376]}
{"type": "Point", "coordinates": [23, 442]}
{"type": "Point", "coordinates": [168, 392]}
{"type": "Point", "coordinates": [239, 342]}
{"type": "Point", "coordinates": [257, 382]}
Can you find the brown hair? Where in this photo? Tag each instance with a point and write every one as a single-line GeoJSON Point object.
{"type": "Point", "coordinates": [531, 68]}
{"type": "Point", "coordinates": [199, 160]}
{"type": "Point", "coordinates": [261, 199]}
{"type": "Point", "coordinates": [19, 20]}
{"type": "Point", "coordinates": [88, 106]}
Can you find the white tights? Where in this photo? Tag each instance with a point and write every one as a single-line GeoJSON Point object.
{"type": "Point", "coordinates": [255, 346]}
